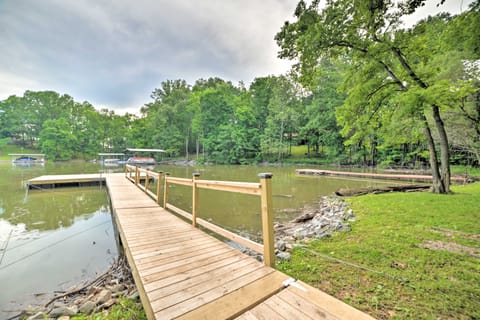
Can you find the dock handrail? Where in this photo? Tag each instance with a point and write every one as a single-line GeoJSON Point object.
{"type": "Point", "coordinates": [262, 189]}
{"type": "Point", "coordinates": [145, 174]}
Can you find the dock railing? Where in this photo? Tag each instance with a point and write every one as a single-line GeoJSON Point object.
{"type": "Point", "coordinates": [263, 189]}
{"type": "Point", "coordinates": [137, 175]}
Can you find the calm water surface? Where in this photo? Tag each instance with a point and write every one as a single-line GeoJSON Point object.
{"type": "Point", "coordinates": [52, 240]}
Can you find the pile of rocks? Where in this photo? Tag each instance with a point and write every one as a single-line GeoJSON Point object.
{"type": "Point", "coordinates": [97, 296]}
{"type": "Point", "coordinates": [319, 220]}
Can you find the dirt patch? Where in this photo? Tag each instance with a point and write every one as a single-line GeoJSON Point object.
{"type": "Point", "coordinates": [451, 247]}
{"type": "Point", "coordinates": [454, 233]}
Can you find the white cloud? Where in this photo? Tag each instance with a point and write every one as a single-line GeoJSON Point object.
{"type": "Point", "coordinates": [114, 53]}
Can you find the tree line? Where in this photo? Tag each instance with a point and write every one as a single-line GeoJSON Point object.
{"type": "Point", "coordinates": [363, 91]}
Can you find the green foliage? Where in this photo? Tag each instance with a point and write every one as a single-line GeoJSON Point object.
{"type": "Point", "coordinates": [124, 309]}
{"type": "Point", "coordinates": [361, 93]}
{"type": "Point", "coordinates": [56, 140]}
{"type": "Point", "coordinates": [382, 266]}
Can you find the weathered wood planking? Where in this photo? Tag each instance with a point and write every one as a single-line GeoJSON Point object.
{"type": "Point", "coordinates": [184, 273]}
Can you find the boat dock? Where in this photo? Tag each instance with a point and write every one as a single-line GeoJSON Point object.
{"type": "Point", "coordinates": [181, 272]}
{"type": "Point", "coordinates": [68, 180]}
{"type": "Point", "coordinates": [387, 176]}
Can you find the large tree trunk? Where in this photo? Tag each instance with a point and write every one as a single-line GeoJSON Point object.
{"type": "Point", "coordinates": [444, 149]}
{"type": "Point", "coordinates": [437, 184]}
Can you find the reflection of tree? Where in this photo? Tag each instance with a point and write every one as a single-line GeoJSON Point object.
{"type": "Point", "coordinates": [56, 208]}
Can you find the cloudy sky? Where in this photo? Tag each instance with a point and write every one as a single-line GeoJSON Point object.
{"type": "Point", "coordinates": [113, 53]}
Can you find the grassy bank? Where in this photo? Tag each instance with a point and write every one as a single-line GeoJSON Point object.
{"type": "Point", "coordinates": [6, 148]}
{"type": "Point", "coordinates": [124, 309]}
{"type": "Point", "coordinates": [386, 265]}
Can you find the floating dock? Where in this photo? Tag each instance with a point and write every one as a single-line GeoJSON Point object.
{"type": "Point", "coordinates": [406, 177]}
{"type": "Point", "coordinates": [68, 180]}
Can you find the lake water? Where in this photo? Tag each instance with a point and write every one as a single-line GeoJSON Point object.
{"type": "Point", "coordinates": [53, 240]}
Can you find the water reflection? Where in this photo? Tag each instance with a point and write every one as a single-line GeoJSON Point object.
{"type": "Point", "coordinates": [53, 239]}
{"type": "Point", "coordinates": [50, 240]}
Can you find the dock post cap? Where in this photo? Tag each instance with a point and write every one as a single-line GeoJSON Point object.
{"type": "Point", "coordinates": [265, 175]}
{"type": "Point", "coordinates": [196, 174]}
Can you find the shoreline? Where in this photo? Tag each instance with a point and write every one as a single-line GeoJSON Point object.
{"type": "Point", "coordinates": [317, 220]}
{"type": "Point", "coordinates": [97, 295]}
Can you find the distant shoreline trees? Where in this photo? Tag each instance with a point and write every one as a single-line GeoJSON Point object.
{"type": "Point", "coordinates": [364, 92]}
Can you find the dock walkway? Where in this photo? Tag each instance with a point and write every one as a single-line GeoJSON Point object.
{"type": "Point", "coordinates": [183, 273]}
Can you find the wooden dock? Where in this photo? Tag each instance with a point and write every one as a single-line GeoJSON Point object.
{"type": "Point", "coordinates": [387, 176]}
{"type": "Point", "coordinates": [183, 273]}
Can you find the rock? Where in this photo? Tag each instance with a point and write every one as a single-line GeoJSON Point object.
{"type": "Point", "coordinates": [59, 304]}
{"type": "Point", "coordinates": [282, 246]}
{"type": "Point", "coordinates": [109, 303]}
{"type": "Point", "coordinates": [305, 217]}
{"type": "Point", "coordinates": [38, 315]}
{"type": "Point", "coordinates": [87, 307]}
{"type": "Point", "coordinates": [64, 318]}
{"type": "Point", "coordinates": [117, 288]}
{"type": "Point", "coordinates": [134, 295]}
{"type": "Point", "coordinates": [62, 311]}
{"type": "Point", "coordinates": [31, 310]}
{"type": "Point", "coordinates": [284, 256]}
{"type": "Point", "coordinates": [103, 296]}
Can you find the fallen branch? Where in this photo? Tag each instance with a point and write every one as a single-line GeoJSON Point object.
{"type": "Point", "coordinates": [377, 190]}
{"type": "Point", "coordinates": [118, 264]}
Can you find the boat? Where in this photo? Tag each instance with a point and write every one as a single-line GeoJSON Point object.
{"type": "Point", "coordinates": [141, 160]}
{"type": "Point", "coordinates": [28, 158]}
{"type": "Point", "coordinates": [105, 160]}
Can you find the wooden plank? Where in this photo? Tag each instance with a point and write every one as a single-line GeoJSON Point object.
{"type": "Point", "coordinates": [230, 186]}
{"type": "Point", "coordinates": [264, 312]}
{"type": "Point", "coordinates": [170, 271]}
{"type": "Point", "coordinates": [136, 276]}
{"type": "Point", "coordinates": [232, 236]}
{"type": "Point", "coordinates": [247, 316]}
{"type": "Point", "coordinates": [181, 255]}
{"type": "Point", "coordinates": [194, 297]}
{"type": "Point", "coordinates": [305, 306]}
{"type": "Point", "coordinates": [180, 181]}
{"type": "Point", "coordinates": [193, 259]}
{"type": "Point", "coordinates": [185, 273]}
{"type": "Point", "coordinates": [225, 233]}
{"type": "Point", "coordinates": [287, 310]}
{"type": "Point", "coordinates": [335, 307]}
{"type": "Point", "coordinates": [200, 280]}
{"type": "Point", "coordinates": [166, 251]}
{"type": "Point", "coordinates": [241, 299]}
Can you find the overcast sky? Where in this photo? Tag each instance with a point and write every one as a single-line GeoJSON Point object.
{"type": "Point", "coordinates": [114, 53]}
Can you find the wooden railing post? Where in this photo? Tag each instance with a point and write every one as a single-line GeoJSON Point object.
{"type": "Point", "coordinates": [194, 199]}
{"type": "Point", "coordinates": [147, 180]}
{"type": "Point", "coordinates": [165, 191]}
{"type": "Point", "coordinates": [159, 186]}
{"type": "Point", "coordinates": [267, 219]}
{"type": "Point", "coordinates": [137, 176]}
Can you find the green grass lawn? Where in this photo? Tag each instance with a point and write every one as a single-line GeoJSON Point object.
{"type": "Point", "coordinates": [386, 270]}
{"type": "Point", "coordinates": [6, 148]}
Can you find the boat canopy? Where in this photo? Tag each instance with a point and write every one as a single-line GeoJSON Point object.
{"type": "Point", "coordinates": [110, 154]}
{"type": "Point", "coordinates": [144, 150]}
{"type": "Point", "coordinates": [42, 155]}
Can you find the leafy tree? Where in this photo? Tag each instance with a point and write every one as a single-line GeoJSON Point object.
{"type": "Point", "coordinates": [56, 140]}
{"type": "Point", "coordinates": [320, 127]}
{"type": "Point", "coordinates": [387, 58]}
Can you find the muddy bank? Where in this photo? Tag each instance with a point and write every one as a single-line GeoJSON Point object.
{"type": "Point", "coordinates": [97, 295]}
